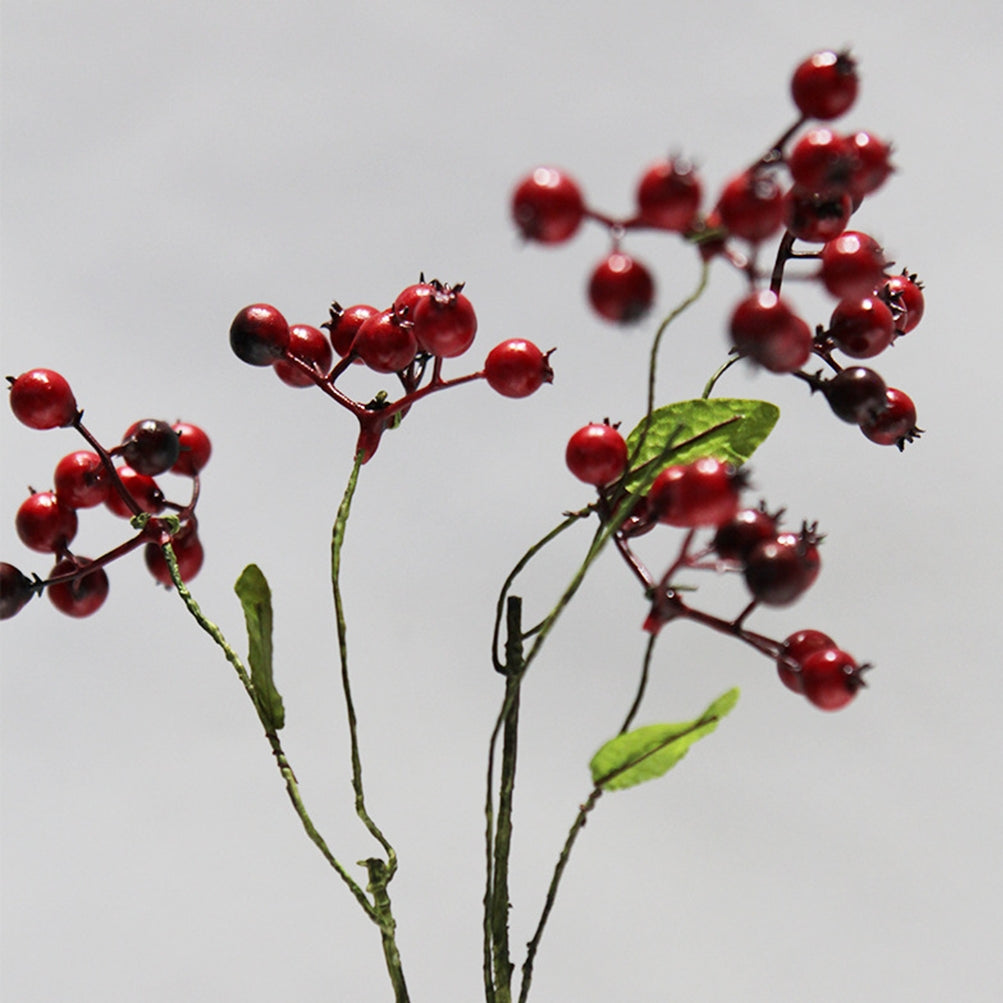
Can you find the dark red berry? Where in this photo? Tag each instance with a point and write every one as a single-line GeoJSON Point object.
{"type": "Point", "coordinates": [668, 195]}
{"type": "Point", "coordinates": [141, 487]}
{"type": "Point", "coordinates": [44, 524]}
{"type": "Point", "coordinates": [444, 322]}
{"type": "Point", "coordinates": [81, 480]}
{"type": "Point", "coordinates": [822, 161]}
{"type": "Point", "coordinates": [621, 289]}
{"type": "Point", "coordinates": [547, 206]}
{"type": "Point", "coordinates": [345, 323]}
{"type": "Point", "coordinates": [187, 550]}
{"type": "Point", "coordinates": [906, 292]}
{"type": "Point", "coordinates": [873, 164]}
{"type": "Point", "coordinates": [825, 85]}
{"type": "Point", "coordinates": [407, 299]}
{"type": "Point", "coordinates": [896, 424]}
{"type": "Point", "coordinates": [853, 265]}
{"type": "Point", "coordinates": [517, 368]}
{"type": "Point", "coordinates": [702, 493]}
{"type": "Point", "coordinates": [15, 591]}
{"type": "Point", "coordinates": [41, 398]}
{"type": "Point", "coordinates": [751, 206]}
{"type": "Point", "coordinates": [385, 344]}
{"type": "Point", "coordinates": [735, 539]}
{"type": "Point", "coordinates": [794, 651]}
{"type": "Point", "coordinates": [195, 449]}
{"type": "Point", "coordinates": [150, 447]}
{"type": "Point", "coordinates": [310, 346]}
{"type": "Point", "coordinates": [83, 595]}
{"type": "Point", "coordinates": [778, 571]}
{"type": "Point", "coordinates": [830, 678]}
{"type": "Point", "coordinates": [597, 454]}
{"type": "Point", "coordinates": [817, 218]}
{"type": "Point", "coordinates": [862, 328]}
{"type": "Point", "coordinates": [259, 334]}
{"type": "Point", "coordinates": [855, 394]}
{"type": "Point", "coordinates": [766, 330]}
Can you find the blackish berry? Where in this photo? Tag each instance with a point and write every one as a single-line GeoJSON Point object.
{"type": "Point", "coordinates": [778, 571]}
{"type": "Point", "coordinates": [15, 591]}
{"type": "Point", "coordinates": [855, 394]}
{"type": "Point", "coordinates": [41, 398]}
{"type": "Point", "coordinates": [259, 334]}
{"type": "Point", "coordinates": [150, 447]}
{"type": "Point", "coordinates": [517, 368]}
{"type": "Point", "coordinates": [547, 206]}
{"type": "Point", "coordinates": [735, 539]}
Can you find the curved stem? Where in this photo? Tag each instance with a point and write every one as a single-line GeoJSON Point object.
{"type": "Point", "coordinates": [721, 370]}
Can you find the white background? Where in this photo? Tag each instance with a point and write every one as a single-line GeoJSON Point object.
{"type": "Point", "coordinates": [165, 164]}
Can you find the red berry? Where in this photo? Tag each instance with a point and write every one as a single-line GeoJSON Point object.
{"type": "Point", "coordinates": [830, 678]}
{"type": "Point", "coordinates": [853, 264]}
{"type": "Point", "coordinates": [765, 329]}
{"type": "Point", "coordinates": [702, 493]}
{"type": "Point", "coordinates": [407, 299]}
{"type": "Point", "coordinates": [83, 595]}
{"type": "Point", "coordinates": [873, 165]}
{"type": "Point", "coordinates": [795, 650]}
{"type": "Point", "coordinates": [310, 346]}
{"type": "Point", "coordinates": [547, 206]}
{"type": "Point", "coordinates": [905, 291]}
{"type": "Point", "coordinates": [15, 591]}
{"type": "Point", "coordinates": [345, 323]}
{"type": "Point", "coordinates": [195, 449]}
{"type": "Point", "coordinates": [517, 368]}
{"type": "Point", "coordinates": [259, 334]}
{"type": "Point", "coordinates": [150, 447]}
{"type": "Point", "coordinates": [141, 487]}
{"type": "Point", "coordinates": [855, 394]}
{"type": "Point", "coordinates": [896, 424]}
{"type": "Point", "coordinates": [668, 195]}
{"type": "Point", "coordinates": [621, 289]}
{"type": "Point", "coordinates": [187, 550]}
{"type": "Point", "coordinates": [817, 218]}
{"type": "Point", "coordinates": [81, 480]}
{"type": "Point", "coordinates": [778, 571]}
{"type": "Point", "coordinates": [862, 328]}
{"type": "Point", "coordinates": [825, 85]}
{"type": "Point", "coordinates": [44, 524]}
{"type": "Point", "coordinates": [751, 206]}
{"type": "Point", "coordinates": [822, 161]}
{"type": "Point", "coordinates": [41, 398]}
{"type": "Point", "coordinates": [597, 454]}
{"type": "Point", "coordinates": [385, 344]}
{"type": "Point", "coordinates": [735, 539]}
{"type": "Point", "coordinates": [444, 322]}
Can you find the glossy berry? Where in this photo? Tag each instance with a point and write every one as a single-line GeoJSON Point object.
{"type": "Point", "coordinates": [873, 163]}
{"type": "Point", "coordinates": [621, 289]}
{"type": "Point", "coordinates": [517, 368]}
{"type": "Point", "coordinates": [345, 323]}
{"type": "Point", "coordinates": [906, 292]}
{"type": "Point", "coordinates": [825, 85]}
{"type": "Point", "coordinates": [150, 447]}
{"type": "Point", "coordinates": [822, 161]}
{"type": "Point", "coordinates": [852, 265]}
{"type": "Point", "coordinates": [778, 571]}
{"type": "Point", "coordinates": [735, 539]}
{"type": "Point", "coordinates": [41, 398]}
{"type": "Point", "coordinates": [142, 488]}
{"type": "Point", "coordinates": [187, 550]}
{"type": "Point", "coordinates": [702, 493]}
{"type": "Point", "coordinates": [794, 651]}
{"type": "Point", "coordinates": [81, 480]}
{"type": "Point", "coordinates": [310, 345]}
{"type": "Point", "coordinates": [766, 330]}
{"type": "Point", "coordinates": [817, 218]}
{"type": "Point", "coordinates": [407, 299]}
{"type": "Point", "coordinates": [597, 454]}
{"type": "Point", "coordinates": [830, 678]}
{"type": "Point", "coordinates": [855, 394]}
{"type": "Point", "coordinates": [385, 344]}
{"type": "Point", "coordinates": [547, 206]}
{"type": "Point", "coordinates": [751, 206]}
{"type": "Point", "coordinates": [862, 328]}
{"type": "Point", "coordinates": [15, 591]}
{"type": "Point", "coordinates": [83, 595]}
{"type": "Point", "coordinates": [44, 524]}
{"type": "Point", "coordinates": [668, 195]}
{"type": "Point", "coordinates": [195, 449]}
{"type": "Point", "coordinates": [896, 424]}
{"type": "Point", "coordinates": [259, 334]}
{"type": "Point", "coordinates": [444, 322]}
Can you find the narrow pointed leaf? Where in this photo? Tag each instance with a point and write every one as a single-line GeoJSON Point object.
{"type": "Point", "coordinates": [647, 753]}
{"type": "Point", "coordinates": [256, 600]}
{"type": "Point", "coordinates": [726, 428]}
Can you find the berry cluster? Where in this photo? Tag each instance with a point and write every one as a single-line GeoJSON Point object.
{"type": "Point", "coordinates": [705, 494]}
{"type": "Point", "coordinates": [47, 521]}
{"type": "Point", "coordinates": [426, 323]}
{"type": "Point", "coordinates": [804, 188]}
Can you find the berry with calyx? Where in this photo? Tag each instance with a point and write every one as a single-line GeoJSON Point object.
{"type": "Point", "coordinates": [150, 447]}
{"type": "Point", "coordinates": [81, 596]}
{"type": "Point", "coordinates": [817, 218]}
{"type": "Point", "coordinates": [547, 206]}
{"type": "Point", "coordinates": [830, 678]}
{"type": "Point", "coordinates": [702, 493]}
{"type": "Point", "coordinates": [345, 323]}
{"type": "Point", "coordinates": [444, 322]}
{"type": "Point", "coordinates": [862, 328]}
{"type": "Point", "coordinates": [597, 454]}
{"type": "Point", "coordinates": [896, 424]}
{"type": "Point", "coordinates": [187, 550]}
{"type": "Point", "coordinates": [751, 206]}
{"type": "Point", "coordinates": [81, 480]}
{"type": "Point", "coordinates": [778, 571]}
{"type": "Point", "coordinates": [385, 344]}
{"type": "Point", "coordinates": [736, 539]}
{"type": "Point", "coordinates": [822, 161]}
{"type": "Point", "coordinates": [15, 591]}
{"type": "Point", "coordinates": [407, 299]}
{"type": "Point", "coordinates": [621, 289]}
{"type": "Point", "coordinates": [668, 195]}
{"type": "Point", "coordinates": [906, 292]}
{"type": "Point", "coordinates": [41, 398]}
{"type": "Point", "coordinates": [259, 334]}
{"type": "Point", "coordinates": [517, 368]}
{"type": "Point", "coordinates": [825, 85]}
{"type": "Point", "coordinates": [195, 449]}
{"type": "Point", "coordinates": [766, 330]}
{"type": "Point", "coordinates": [873, 163]}
{"type": "Point", "coordinates": [44, 524]}
{"type": "Point", "coordinates": [853, 264]}
{"type": "Point", "coordinates": [142, 488]}
{"type": "Point", "coordinates": [855, 394]}
{"type": "Point", "coordinates": [794, 651]}
{"type": "Point", "coordinates": [308, 344]}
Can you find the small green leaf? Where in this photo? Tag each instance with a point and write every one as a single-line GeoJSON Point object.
{"type": "Point", "coordinates": [256, 600]}
{"type": "Point", "coordinates": [647, 753]}
{"type": "Point", "coordinates": [723, 427]}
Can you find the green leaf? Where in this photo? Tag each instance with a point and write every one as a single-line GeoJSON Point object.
{"type": "Point", "coordinates": [256, 600]}
{"type": "Point", "coordinates": [647, 753]}
{"type": "Point", "coordinates": [723, 427]}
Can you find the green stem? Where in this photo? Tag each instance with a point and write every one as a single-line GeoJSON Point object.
{"type": "Point", "coordinates": [721, 370]}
